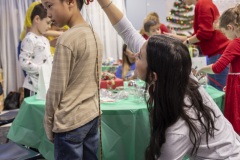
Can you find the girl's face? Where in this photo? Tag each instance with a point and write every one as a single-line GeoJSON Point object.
{"type": "Point", "coordinates": [141, 62]}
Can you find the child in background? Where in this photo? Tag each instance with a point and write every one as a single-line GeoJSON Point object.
{"type": "Point", "coordinates": [229, 24]}
{"type": "Point", "coordinates": [184, 119]}
{"type": "Point", "coordinates": [72, 105]}
{"type": "Point", "coordinates": [153, 16]}
{"type": "Point", "coordinates": [35, 49]}
{"type": "Point", "coordinates": [52, 34]}
{"type": "Point", "coordinates": [212, 42]}
{"type": "Point", "coordinates": [151, 28]}
{"type": "Point", "coordinates": [126, 70]}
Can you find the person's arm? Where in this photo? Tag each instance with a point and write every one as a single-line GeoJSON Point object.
{"type": "Point", "coordinates": [26, 57]}
{"type": "Point", "coordinates": [204, 70]}
{"type": "Point", "coordinates": [185, 39]}
{"type": "Point", "coordinates": [205, 20]}
{"type": "Point", "coordinates": [123, 26]}
{"type": "Point", "coordinates": [113, 13]}
{"type": "Point", "coordinates": [57, 87]}
{"type": "Point", "coordinates": [134, 76]}
{"type": "Point", "coordinates": [53, 33]}
{"type": "Point", "coordinates": [231, 52]}
{"type": "Point", "coordinates": [181, 38]}
{"type": "Point", "coordinates": [191, 40]}
{"type": "Point", "coordinates": [175, 147]}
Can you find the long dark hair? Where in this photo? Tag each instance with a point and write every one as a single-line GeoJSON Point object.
{"type": "Point", "coordinates": [170, 60]}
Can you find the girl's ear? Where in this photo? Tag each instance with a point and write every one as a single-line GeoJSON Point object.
{"type": "Point", "coordinates": [154, 76]}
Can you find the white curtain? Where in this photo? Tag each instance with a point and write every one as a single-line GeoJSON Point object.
{"type": "Point", "coordinates": [112, 43]}
{"type": "Point", "coordinates": [12, 15]}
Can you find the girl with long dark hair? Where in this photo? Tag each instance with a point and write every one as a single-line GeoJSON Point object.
{"type": "Point", "coordinates": [184, 120]}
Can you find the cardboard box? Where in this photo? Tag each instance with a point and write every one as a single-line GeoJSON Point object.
{"type": "Point", "coordinates": [111, 84]}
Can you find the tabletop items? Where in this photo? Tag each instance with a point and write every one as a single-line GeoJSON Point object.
{"type": "Point", "coordinates": [133, 88]}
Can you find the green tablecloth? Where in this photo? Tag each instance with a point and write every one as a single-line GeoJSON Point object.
{"type": "Point", "coordinates": [125, 127]}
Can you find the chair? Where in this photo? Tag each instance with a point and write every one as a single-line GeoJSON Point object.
{"type": "Point", "coordinates": [8, 116]}
{"type": "Point", "coordinates": [13, 151]}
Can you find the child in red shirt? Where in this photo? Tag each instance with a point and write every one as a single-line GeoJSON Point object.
{"type": "Point", "coordinates": [229, 25]}
{"type": "Point", "coordinates": [211, 41]}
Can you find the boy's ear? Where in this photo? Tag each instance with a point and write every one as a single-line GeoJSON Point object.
{"type": "Point", "coordinates": [36, 18]}
{"type": "Point", "coordinates": [70, 2]}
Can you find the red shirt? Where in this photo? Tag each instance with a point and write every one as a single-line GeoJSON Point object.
{"type": "Point", "coordinates": [212, 41]}
{"type": "Point", "coordinates": [230, 55]}
{"type": "Point", "coordinates": [163, 28]}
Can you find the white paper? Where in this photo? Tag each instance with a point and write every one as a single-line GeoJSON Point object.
{"type": "Point", "coordinates": [44, 80]}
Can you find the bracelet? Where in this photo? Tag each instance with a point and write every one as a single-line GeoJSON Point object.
{"type": "Point", "coordinates": [107, 5]}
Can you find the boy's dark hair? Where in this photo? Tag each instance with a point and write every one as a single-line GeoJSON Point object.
{"type": "Point", "coordinates": [79, 3]}
{"type": "Point", "coordinates": [38, 10]}
{"type": "Point", "coordinates": [149, 24]}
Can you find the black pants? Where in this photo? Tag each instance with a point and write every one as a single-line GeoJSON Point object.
{"type": "Point", "coordinates": [27, 93]}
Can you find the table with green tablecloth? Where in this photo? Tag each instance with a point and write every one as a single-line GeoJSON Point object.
{"type": "Point", "coordinates": [124, 125]}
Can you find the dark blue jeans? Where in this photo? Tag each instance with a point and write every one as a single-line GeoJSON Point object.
{"type": "Point", "coordinates": [78, 144]}
{"type": "Point", "coordinates": [217, 78]}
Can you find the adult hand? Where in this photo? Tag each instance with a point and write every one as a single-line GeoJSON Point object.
{"type": "Point", "coordinates": [200, 73]}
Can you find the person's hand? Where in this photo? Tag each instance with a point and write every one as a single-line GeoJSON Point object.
{"type": "Point", "coordinates": [51, 138]}
{"type": "Point", "coordinates": [194, 71]}
{"type": "Point", "coordinates": [169, 34]}
{"type": "Point", "coordinates": [200, 73]}
{"type": "Point", "coordinates": [224, 89]}
{"type": "Point", "coordinates": [185, 42]}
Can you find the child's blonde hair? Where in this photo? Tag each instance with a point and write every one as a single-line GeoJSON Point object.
{"type": "Point", "coordinates": [230, 16]}
{"type": "Point", "coordinates": [151, 16]}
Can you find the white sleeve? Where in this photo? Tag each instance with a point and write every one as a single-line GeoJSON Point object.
{"type": "Point", "coordinates": [26, 57]}
{"type": "Point", "coordinates": [175, 147]}
{"type": "Point", "coordinates": [129, 34]}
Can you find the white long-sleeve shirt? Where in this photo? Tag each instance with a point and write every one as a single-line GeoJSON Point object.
{"type": "Point", "coordinates": [226, 142]}
{"type": "Point", "coordinates": [35, 50]}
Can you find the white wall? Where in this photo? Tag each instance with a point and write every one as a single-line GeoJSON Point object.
{"type": "Point", "coordinates": [138, 9]}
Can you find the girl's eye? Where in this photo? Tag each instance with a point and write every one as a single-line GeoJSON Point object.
{"type": "Point", "coordinates": [49, 6]}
